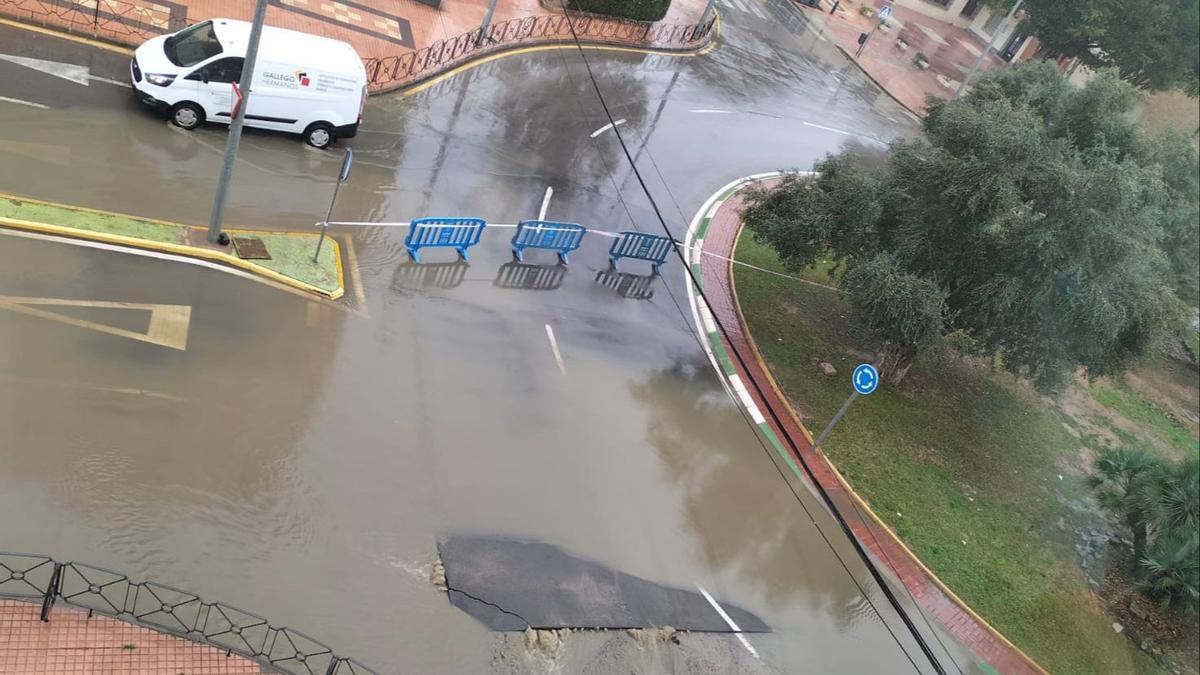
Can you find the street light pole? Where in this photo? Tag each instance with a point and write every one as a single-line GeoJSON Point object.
{"type": "Point", "coordinates": [215, 236]}
{"type": "Point", "coordinates": [987, 50]}
{"type": "Point", "coordinates": [487, 20]}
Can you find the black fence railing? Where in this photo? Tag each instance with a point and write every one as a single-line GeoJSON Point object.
{"type": "Point", "coordinates": [391, 72]}
{"type": "Point", "coordinates": [38, 578]}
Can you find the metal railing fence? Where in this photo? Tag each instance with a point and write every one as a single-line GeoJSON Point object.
{"type": "Point", "coordinates": [39, 578]}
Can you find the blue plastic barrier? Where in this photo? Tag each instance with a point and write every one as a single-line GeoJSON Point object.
{"type": "Point", "coordinates": [456, 233]}
{"type": "Point", "coordinates": [640, 247]}
{"type": "Point", "coordinates": [560, 237]}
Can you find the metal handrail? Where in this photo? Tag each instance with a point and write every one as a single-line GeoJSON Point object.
{"type": "Point", "coordinates": [170, 610]}
{"type": "Point", "coordinates": [389, 72]}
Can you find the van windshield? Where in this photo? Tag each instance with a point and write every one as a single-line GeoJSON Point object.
{"type": "Point", "coordinates": [192, 45]}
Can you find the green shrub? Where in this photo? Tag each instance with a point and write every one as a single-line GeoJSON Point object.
{"type": "Point", "coordinates": [638, 10]}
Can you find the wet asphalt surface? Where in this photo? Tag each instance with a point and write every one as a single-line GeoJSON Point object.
{"type": "Point", "coordinates": [302, 458]}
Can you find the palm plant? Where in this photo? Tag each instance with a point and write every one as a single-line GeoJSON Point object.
{"type": "Point", "coordinates": [1122, 484]}
{"type": "Point", "coordinates": [1160, 503]}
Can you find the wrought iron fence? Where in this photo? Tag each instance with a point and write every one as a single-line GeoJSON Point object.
{"type": "Point", "coordinates": [133, 23]}
{"type": "Point", "coordinates": [38, 578]}
{"type": "Point", "coordinates": [390, 72]}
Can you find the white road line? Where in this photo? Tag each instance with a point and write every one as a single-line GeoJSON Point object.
{"type": "Point", "coordinates": [562, 368]}
{"type": "Point", "coordinates": [545, 203]}
{"type": "Point", "coordinates": [606, 127]}
{"type": "Point", "coordinates": [108, 81]}
{"type": "Point", "coordinates": [715, 112]}
{"type": "Point", "coordinates": [737, 631]}
{"type": "Point", "coordinates": [31, 104]}
{"type": "Point", "coordinates": [836, 131]}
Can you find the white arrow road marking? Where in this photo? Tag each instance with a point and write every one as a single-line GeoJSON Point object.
{"type": "Point", "coordinates": [168, 323]}
{"type": "Point", "coordinates": [67, 71]}
{"type": "Point", "coordinates": [112, 82]}
{"type": "Point", "coordinates": [31, 104]}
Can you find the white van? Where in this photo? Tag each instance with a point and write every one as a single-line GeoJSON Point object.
{"type": "Point", "coordinates": [305, 84]}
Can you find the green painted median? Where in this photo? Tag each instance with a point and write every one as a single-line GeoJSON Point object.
{"type": "Point", "coordinates": [291, 253]}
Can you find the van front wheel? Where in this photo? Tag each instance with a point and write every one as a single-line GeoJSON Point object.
{"type": "Point", "coordinates": [187, 115]}
{"type": "Point", "coordinates": [319, 135]}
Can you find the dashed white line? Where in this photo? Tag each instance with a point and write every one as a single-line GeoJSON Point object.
{"type": "Point", "coordinates": [562, 368]}
{"type": "Point", "coordinates": [836, 131]}
{"type": "Point", "coordinates": [737, 631]}
{"type": "Point", "coordinates": [608, 126]}
{"type": "Point", "coordinates": [713, 112]}
{"type": "Point", "coordinates": [31, 104]}
{"type": "Point", "coordinates": [545, 203]}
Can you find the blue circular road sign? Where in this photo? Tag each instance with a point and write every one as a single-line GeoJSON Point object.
{"type": "Point", "coordinates": [865, 378]}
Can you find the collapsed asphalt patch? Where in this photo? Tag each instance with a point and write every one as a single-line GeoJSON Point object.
{"type": "Point", "coordinates": [513, 585]}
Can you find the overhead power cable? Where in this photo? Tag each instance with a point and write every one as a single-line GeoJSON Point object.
{"type": "Point", "coordinates": [829, 503]}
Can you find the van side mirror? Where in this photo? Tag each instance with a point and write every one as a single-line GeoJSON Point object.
{"type": "Point", "coordinates": [204, 78]}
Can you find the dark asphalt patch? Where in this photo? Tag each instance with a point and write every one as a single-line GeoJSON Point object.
{"type": "Point", "coordinates": [512, 585]}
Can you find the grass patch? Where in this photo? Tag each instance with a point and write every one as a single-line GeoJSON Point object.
{"type": "Point", "coordinates": [94, 222]}
{"type": "Point", "coordinates": [1134, 407]}
{"type": "Point", "coordinates": [964, 467]}
{"type": "Point", "coordinates": [291, 254]}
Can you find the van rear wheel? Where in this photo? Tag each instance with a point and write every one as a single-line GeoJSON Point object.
{"type": "Point", "coordinates": [187, 115]}
{"type": "Point", "coordinates": [319, 135]}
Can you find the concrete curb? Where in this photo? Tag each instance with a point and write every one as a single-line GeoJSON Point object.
{"type": "Point", "coordinates": [716, 349]}
{"type": "Point", "coordinates": [178, 249]}
{"type": "Point", "coordinates": [876, 82]}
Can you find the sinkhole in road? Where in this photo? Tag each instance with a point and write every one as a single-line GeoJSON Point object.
{"type": "Point", "coordinates": [511, 585]}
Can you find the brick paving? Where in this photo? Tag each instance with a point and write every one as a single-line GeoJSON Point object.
{"type": "Point", "coordinates": [72, 644]}
{"type": "Point", "coordinates": [718, 286]}
{"type": "Point", "coordinates": [950, 50]}
{"type": "Point", "coordinates": [376, 28]}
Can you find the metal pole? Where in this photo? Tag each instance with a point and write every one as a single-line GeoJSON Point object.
{"type": "Point", "coordinates": [215, 236]}
{"type": "Point", "coordinates": [487, 20]}
{"type": "Point", "coordinates": [325, 223]}
{"type": "Point", "coordinates": [829, 427]}
{"type": "Point", "coordinates": [987, 50]}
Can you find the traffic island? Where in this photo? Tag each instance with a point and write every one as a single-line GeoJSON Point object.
{"type": "Point", "coordinates": [284, 257]}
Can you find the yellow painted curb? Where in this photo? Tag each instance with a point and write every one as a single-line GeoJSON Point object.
{"type": "Point", "coordinates": [862, 503]}
{"type": "Point", "coordinates": [179, 249]}
{"type": "Point", "coordinates": [59, 33]}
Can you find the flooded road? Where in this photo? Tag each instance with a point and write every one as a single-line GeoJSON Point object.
{"type": "Point", "coordinates": [301, 459]}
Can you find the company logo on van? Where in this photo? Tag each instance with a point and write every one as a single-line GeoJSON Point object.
{"type": "Point", "coordinates": [302, 78]}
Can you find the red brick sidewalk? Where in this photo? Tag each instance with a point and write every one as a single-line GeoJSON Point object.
{"type": "Point", "coordinates": [960, 622]}
{"type": "Point", "coordinates": [71, 643]}
{"type": "Point", "coordinates": [950, 50]}
{"type": "Point", "coordinates": [376, 28]}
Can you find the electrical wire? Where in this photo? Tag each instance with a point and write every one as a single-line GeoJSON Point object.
{"type": "Point", "coordinates": [878, 577]}
{"type": "Point", "coordinates": [862, 517]}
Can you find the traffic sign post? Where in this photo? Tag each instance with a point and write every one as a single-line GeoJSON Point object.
{"type": "Point", "coordinates": [865, 378]}
{"type": "Point", "coordinates": [343, 174]}
{"type": "Point", "coordinates": [884, 13]}
{"type": "Point", "coordinates": [864, 381]}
